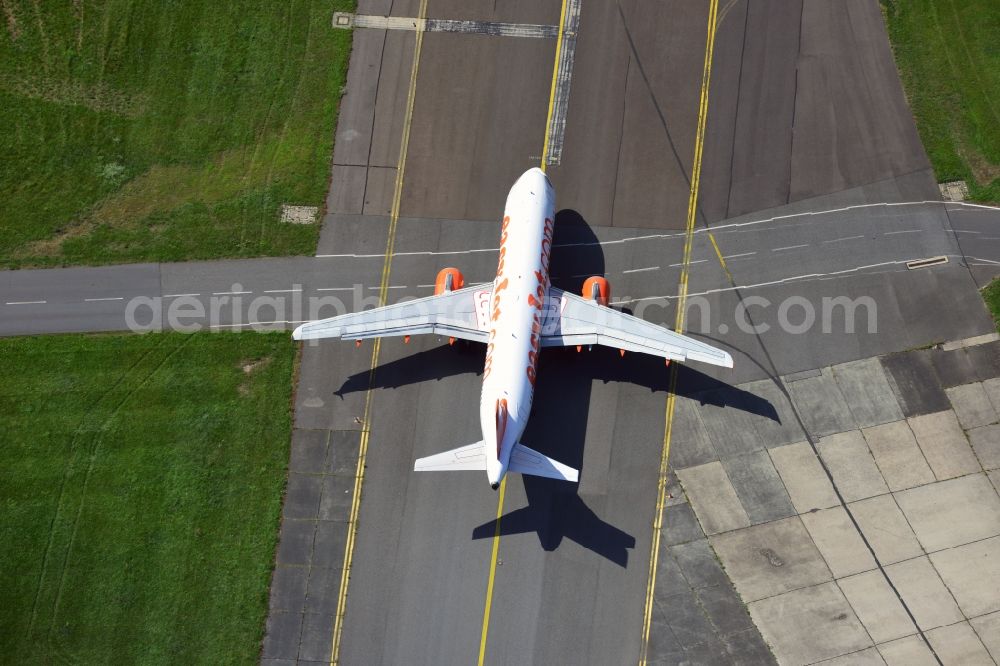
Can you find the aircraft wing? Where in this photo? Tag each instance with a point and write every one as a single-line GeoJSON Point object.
{"type": "Point", "coordinates": [457, 314]}
{"type": "Point", "coordinates": [574, 320]}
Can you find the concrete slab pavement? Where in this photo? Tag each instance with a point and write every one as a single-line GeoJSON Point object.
{"type": "Point", "coordinates": [952, 513]}
{"type": "Point", "coordinates": [877, 606]}
{"type": "Point", "coordinates": [959, 644]}
{"type": "Point", "coordinates": [886, 529]}
{"type": "Point", "coordinates": [897, 455]}
{"type": "Point", "coordinates": [972, 573]}
{"type": "Point", "coordinates": [912, 486]}
{"type": "Point", "coordinates": [810, 624]}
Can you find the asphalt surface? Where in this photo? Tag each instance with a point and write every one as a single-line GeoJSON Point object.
{"type": "Point", "coordinates": [805, 115]}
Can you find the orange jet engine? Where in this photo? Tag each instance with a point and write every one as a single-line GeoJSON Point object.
{"type": "Point", "coordinates": [448, 279]}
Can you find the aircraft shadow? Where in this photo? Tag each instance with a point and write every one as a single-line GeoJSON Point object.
{"type": "Point", "coordinates": [602, 364]}
{"type": "Point", "coordinates": [555, 511]}
{"type": "Point", "coordinates": [558, 427]}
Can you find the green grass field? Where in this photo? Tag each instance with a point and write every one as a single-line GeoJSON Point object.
{"type": "Point", "coordinates": [136, 130]}
{"type": "Point", "coordinates": [991, 294]}
{"type": "Point", "coordinates": [948, 56]}
{"type": "Point", "coordinates": [141, 486]}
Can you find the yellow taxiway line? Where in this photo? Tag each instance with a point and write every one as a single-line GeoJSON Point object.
{"type": "Point", "coordinates": [692, 216]}
{"type": "Point", "coordinates": [492, 576]}
{"type": "Point", "coordinates": [503, 484]}
{"type": "Point", "coordinates": [359, 476]}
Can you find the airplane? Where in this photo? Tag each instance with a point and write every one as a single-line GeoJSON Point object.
{"type": "Point", "coordinates": [516, 315]}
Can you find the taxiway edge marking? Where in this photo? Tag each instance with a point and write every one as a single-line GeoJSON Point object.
{"type": "Point", "coordinates": [692, 216]}
{"type": "Point", "coordinates": [352, 526]}
{"type": "Point", "coordinates": [552, 88]}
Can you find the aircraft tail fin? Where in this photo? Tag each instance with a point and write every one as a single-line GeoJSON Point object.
{"type": "Point", "coordinates": [529, 461]}
{"type": "Point", "coordinates": [470, 456]}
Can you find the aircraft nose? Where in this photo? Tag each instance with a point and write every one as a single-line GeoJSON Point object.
{"type": "Point", "coordinates": [534, 177]}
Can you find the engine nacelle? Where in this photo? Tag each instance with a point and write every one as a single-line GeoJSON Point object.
{"type": "Point", "coordinates": [597, 289]}
{"type": "Point", "coordinates": [448, 279]}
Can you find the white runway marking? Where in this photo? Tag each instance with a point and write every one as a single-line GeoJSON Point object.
{"type": "Point", "coordinates": [336, 289]}
{"type": "Point", "coordinates": [845, 238]}
{"type": "Point", "coordinates": [966, 231]}
{"type": "Point", "coordinates": [903, 231]}
{"type": "Point", "coordinates": [179, 295]}
{"type": "Point", "coordinates": [737, 256]}
{"type": "Point", "coordinates": [697, 261]}
{"type": "Point", "coordinates": [26, 302]}
{"type": "Point", "coordinates": [258, 323]}
{"type": "Point", "coordinates": [641, 270]}
{"type": "Point", "coordinates": [556, 130]}
{"type": "Point", "coordinates": [230, 293]}
{"type": "Point", "coordinates": [282, 291]}
{"type": "Point", "coordinates": [113, 298]}
{"type": "Point", "coordinates": [716, 229]}
{"type": "Point", "coordinates": [789, 247]}
{"type": "Point", "coordinates": [490, 28]}
{"type": "Point", "coordinates": [795, 278]}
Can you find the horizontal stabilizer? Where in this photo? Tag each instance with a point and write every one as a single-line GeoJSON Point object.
{"type": "Point", "coordinates": [529, 461]}
{"type": "Point", "coordinates": [470, 456]}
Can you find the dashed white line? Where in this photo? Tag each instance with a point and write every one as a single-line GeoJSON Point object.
{"type": "Point", "coordinates": [112, 298]}
{"type": "Point", "coordinates": [179, 295]}
{"type": "Point", "coordinates": [398, 286]}
{"type": "Point", "coordinates": [966, 231]}
{"type": "Point", "coordinates": [230, 293]}
{"type": "Point", "coordinates": [425, 286]}
{"type": "Point", "coordinates": [717, 229]}
{"type": "Point", "coordinates": [335, 289]}
{"type": "Point", "coordinates": [642, 270]}
{"type": "Point", "coordinates": [795, 278]}
{"type": "Point", "coordinates": [420, 253]}
{"type": "Point", "coordinates": [282, 291]}
{"type": "Point", "coordinates": [737, 256]}
{"type": "Point", "coordinates": [258, 323]}
{"type": "Point", "coordinates": [26, 302]}
{"type": "Point", "coordinates": [845, 238]}
{"type": "Point", "coordinates": [789, 247]}
{"type": "Point", "coordinates": [902, 231]}
{"type": "Point", "coordinates": [698, 261]}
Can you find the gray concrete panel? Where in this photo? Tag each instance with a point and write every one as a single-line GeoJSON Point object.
{"type": "Point", "coordinates": [347, 190]}
{"type": "Point", "coordinates": [762, 144]}
{"type": "Point", "coordinates": [499, 89]}
{"type": "Point", "coordinates": [807, 625]}
{"type": "Point", "coordinates": [662, 94]}
{"type": "Point", "coordinates": [357, 106]}
{"type": "Point", "coordinates": [390, 102]}
{"type": "Point", "coordinates": [772, 558]}
{"type": "Point", "coordinates": [758, 487]}
{"type": "Point", "coordinates": [821, 405]}
{"type": "Point", "coordinates": [842, 547]}
{"type": "Point", "coordinates": [586, 179]}
{"type": "Point", "coordinates": [847, 80]}
{"type": "Point", "coordinates": [915, 383]}
{"type": "Point", "coordinates": [866, 390]}
{"type": "Point", "coordinates": [850, 462]}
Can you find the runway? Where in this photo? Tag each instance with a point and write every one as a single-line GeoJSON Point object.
{"type": "Point", "coordinates": [795, 210]}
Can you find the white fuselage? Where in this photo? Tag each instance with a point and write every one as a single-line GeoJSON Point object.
{"type": "Point", "coordinates": [517, 306]}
